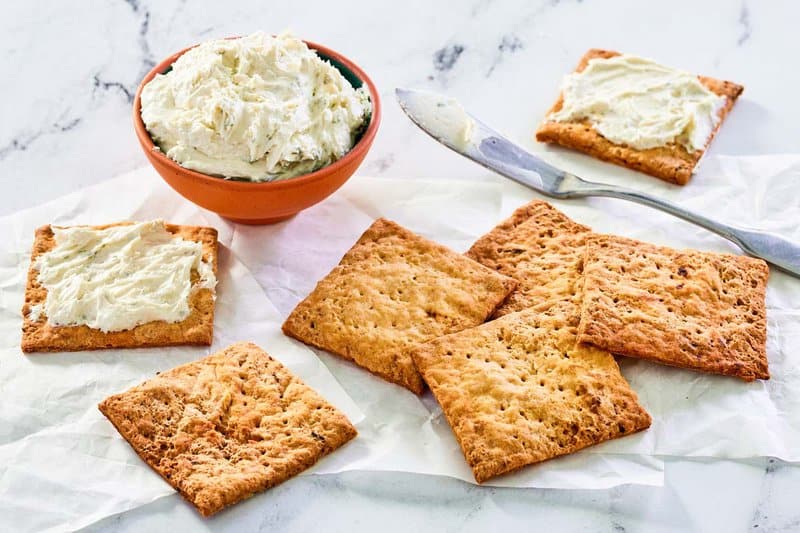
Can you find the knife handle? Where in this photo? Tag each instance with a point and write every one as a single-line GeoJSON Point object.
{"type": "Point", "coordinates": [779, 251]}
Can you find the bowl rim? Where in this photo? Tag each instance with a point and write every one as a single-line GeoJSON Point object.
{"type": "Point", "coordinates": [320, 174]}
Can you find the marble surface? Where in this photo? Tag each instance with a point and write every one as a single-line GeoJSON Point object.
{"type": "Point", "coordinates": [72, 69]}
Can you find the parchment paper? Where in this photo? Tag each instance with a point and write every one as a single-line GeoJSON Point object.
{"type": "Point", "coordinates": [63, 466]}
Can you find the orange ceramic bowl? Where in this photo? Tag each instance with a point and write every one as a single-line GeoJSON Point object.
{"type": "Point", "coordinates": [267, 202]}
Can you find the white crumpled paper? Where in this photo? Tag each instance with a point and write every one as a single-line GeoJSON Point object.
{"type": "Point", "coordinates": [63, 466]}
{"type": "Point", "coordinates": [693, 414]}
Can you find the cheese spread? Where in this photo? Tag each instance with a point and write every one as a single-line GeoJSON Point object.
{"type": "Point", "coordinates": [637, 102]}
{"type": "Point", "coordinates": [259, 108]}
{"type": "Point", "coordinates": [117, 278]}
{"type": "Point", "coordinates": [442, 117]}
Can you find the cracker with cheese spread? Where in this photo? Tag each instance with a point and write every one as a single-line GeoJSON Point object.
{"type": "Point", "coordinates": [672, 161]}
{"type": "Point", "coordinates": [116, 286]}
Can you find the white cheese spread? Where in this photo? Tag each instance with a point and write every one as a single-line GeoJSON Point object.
{"type": "Point", "coordinates": [637, 102]}
{"type": "Point", "coordinates": [117, 278]}
{"type": "Point", "coordinates": [259, 108]}
{"type": "Point", "coordinates": [442, 117]}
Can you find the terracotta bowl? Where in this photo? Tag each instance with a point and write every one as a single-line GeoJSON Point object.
{"type": "Point", "coordinates": [268, 202]}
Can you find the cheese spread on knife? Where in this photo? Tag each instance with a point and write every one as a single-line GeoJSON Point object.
{"type": "Point", "coordinates": [636, 102]}
{"type": "Point", "coordinates": [117, 278]}
{"type": "Point", "coordinates": [258, 108]}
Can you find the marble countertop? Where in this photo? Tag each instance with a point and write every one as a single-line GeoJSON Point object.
{"type": "Point", "coordinates": [72, 69]}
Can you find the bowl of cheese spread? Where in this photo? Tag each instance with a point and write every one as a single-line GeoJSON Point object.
{"type": "Point", "coordinates": [256, 128]}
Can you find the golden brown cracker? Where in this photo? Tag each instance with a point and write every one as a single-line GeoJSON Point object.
{"type": "Point", "coordinates": [672, 163]}
{"type": "Point", "coordinates": [197, 328]}
{"type": "Point", "coordinates": [698, 310]}
{"type": "Point", "coordinates": [392, 290]}
{"type": "Point", "coordinates": [519, 390]}
{"type": "Point", "coordinates": [225, 427]}
{"type": "Point", "coordinates": [541, 248]}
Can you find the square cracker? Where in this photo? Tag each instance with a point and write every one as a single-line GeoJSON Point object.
{"type": "Point", "coordinates": [542, 249]}
{"type": "Point", "coordinates": [227, 426]}
{"type": "Point", "coordinates": [196, 329]}
{"type": "Point", "coordinates": [671, 163]}
{"type": "Point", "coordinates": [392, 290]}
{"type": "Point", "coordinates": [698, 310]}
{"type": "Point", "coordinates": [520, 390]}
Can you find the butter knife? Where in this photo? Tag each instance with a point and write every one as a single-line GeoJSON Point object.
{"type": "Point", "coordinates": [445, 120]}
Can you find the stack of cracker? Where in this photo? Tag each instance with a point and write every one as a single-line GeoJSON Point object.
{"type": "Point", "coordinates": [538, 380]}
{"type": "Point", "coordinates": [581, 297]}
{"type": "Point", "coordinates": [686, 308]}
{"type": "Point", "coordinates": [516, 390]}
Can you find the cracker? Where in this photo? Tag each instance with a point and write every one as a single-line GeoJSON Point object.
{"type": "Point", "coordinates": [672, 163]}
{"type": "Point", "coordinates": [196, 329]}
{"type": "Point", "coordinates": [519, 390]}
{"type": "Point", "coordinates": [541, 248]}
{"type": "Point", "coordinates": [227, 426]}
{"type": "Point", "coordinates": [698, 310]}
{"type": "Point", "coordinates": [392, 290]}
